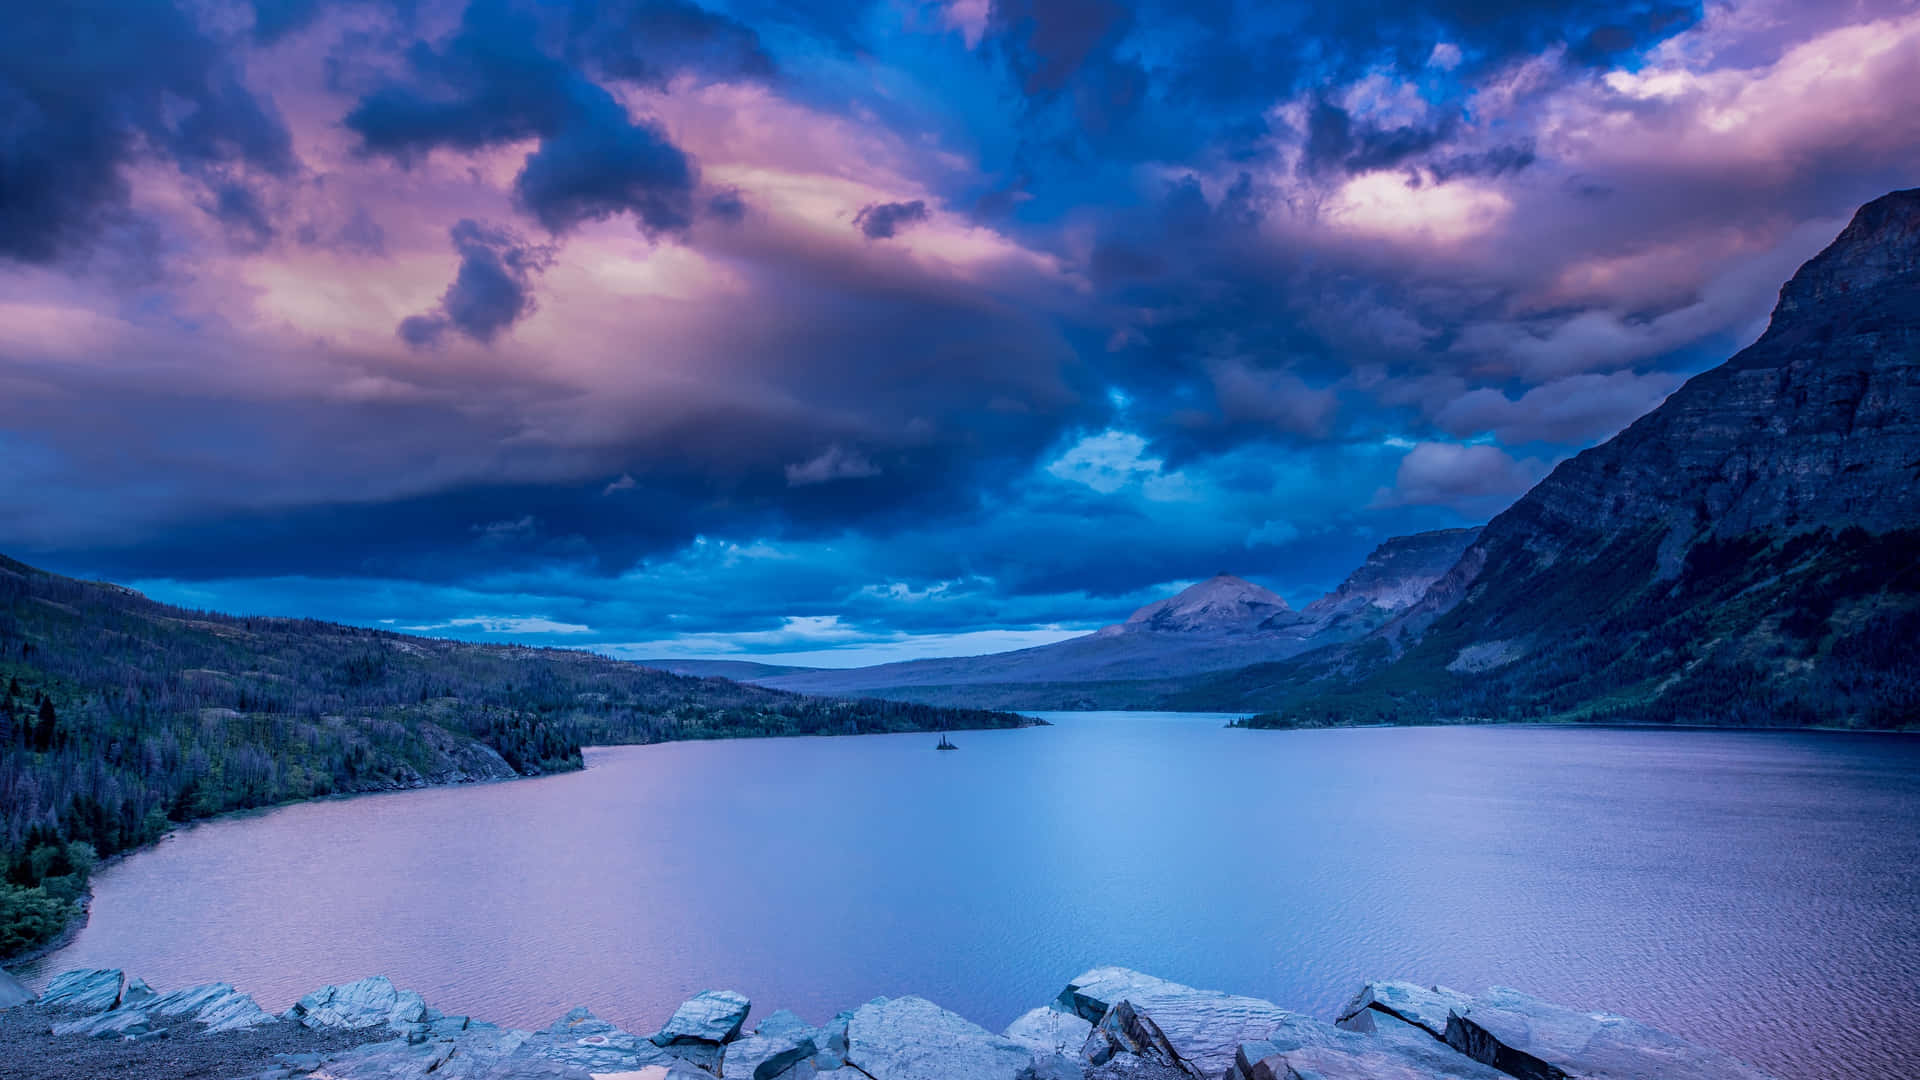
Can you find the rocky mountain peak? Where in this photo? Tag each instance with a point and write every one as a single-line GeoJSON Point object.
{"type": "Point", "coordinates": [1399, 571]}
{"type": "Point", "coordinates": [1880, 247]}
{"type": "Point", "coordinates": [1221, 604]}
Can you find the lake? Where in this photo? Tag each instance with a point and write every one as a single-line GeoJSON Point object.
{"type": "Point", "coordinates": [1755, 891]}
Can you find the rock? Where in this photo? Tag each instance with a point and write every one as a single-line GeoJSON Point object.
{"type": "Point", "coordinates": [218, 1006]}
{"type": "Point", "coordinates": [911, 1038]}
{"type": "Point", "coordinates": [137, 990]}
{"type": "Point", "coordinates": [1124, 1031]}
{"type": "Point", "coordinates": [117, 1023]}
{"type": "Point", "coordinates": [87, 989]}
{"type": "Point", "coordinates": [711, 1016]}
{"type": "Point", "coordinates": [13, 992]}
{"type": "Point", "coordinates": [1422, 1006]}
{"type": "Point", "coordinates": [1536, 1040]}
{"type": "Point", "coordinates": [781, 1041]}
{"type": "Point", "coordinates": [584, 1040]}
{"type": "Point", "coordinates": [368, 1003]}
{"type": "Point", "coordinates": [1204, 1028]}
{"type": "Point", "coordinates": [1328, 1063]}
{"type": "Point", "coordinates": [1050, 1031]}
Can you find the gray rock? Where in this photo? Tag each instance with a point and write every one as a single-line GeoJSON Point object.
{"type": "Point", "coordinates": [13, 992]}
{"type": "Point", "coordinates": [1329, 1063]}
{"type": "Point", "coordinates": [87, 989]}
{"type": "Point", "coordinates": [1536, 1040]}
{"type": "Point", "coordinates": [1124, 1031]}
{"type": "Point", "coordinates": [1393, 1040]}
{"type": "Point", "coordinates": [832, 1037]}
{"type": "Point", "coordinates": [217, 1005]}
{"type": "Point", "coordinates": [136, 991]}
{"type": "Point", "coordinates": [911, 1038]}
{"type": "Point", "coordinates": [367, 1003]}
{"type": "Point", "coordinates": [781, 1041]}
{"type": "Point", "coordinates": [1054, 1067]}
{"type": "Point", "coordinates": [1203, 1027]}
{"type": "Point", "coordinates": [118, 1023]}
{"type": "Point", "coordinates": [584, 1040]}
{"type": "Point", "coordinates": [1422, 1006]}
{"type": "Point", "coordinates": [1050, 1031]}
{"type": "Point", "coordinates": [711, 1016]}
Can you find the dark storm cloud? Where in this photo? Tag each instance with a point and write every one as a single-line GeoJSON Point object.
{"type": "Point", "coordinates": [89, 87]}
{"type": "Point", "coordinates": [492, 83]}
{"type": "Point", "coordinates": [1334, 141]}
{"type": "Point", "coordinates": [650, 41]}
{"type": "Point", "coordinates": [492, 290]}
{"type": "Point", "coordinates": [881, 221]}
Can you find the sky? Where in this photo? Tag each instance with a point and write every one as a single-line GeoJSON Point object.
{"type": "Point", "coordinates": [842, 331]}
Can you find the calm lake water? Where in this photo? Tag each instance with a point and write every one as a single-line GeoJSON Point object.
{"type": "Point", "coordinates": [1757, 891]}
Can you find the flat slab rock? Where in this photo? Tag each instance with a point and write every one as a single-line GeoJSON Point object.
{"type": "Point", "coordinates": [1537, 1040]}
{"type": "Point", "coordinates": [86, 989]}
{"type": "Point", "coordinates": [1392, 1050]}
{"type": "Point", "coordinates": [1049, 1031]}
{"type": "Point", "coordinates": [584, 1040]}
{"type": "Point", "coordinates": [711, 1016]}
{"type": "Point", "coordinates": [1204, 1027]}
{"type": "Point", "coordinates": [1426, 1007]}
{"type": "Point", "coordinates": [911, 1038]}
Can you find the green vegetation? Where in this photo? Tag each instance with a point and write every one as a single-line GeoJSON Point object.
{"type": "Point", "coordinates": [120, 717]}
{"type": "Point", "coordinates": [1769, 629]}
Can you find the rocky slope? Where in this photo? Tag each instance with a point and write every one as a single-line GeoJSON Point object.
{"type": "Point", "coordinates": [1745, 553]}
{"type": "Point", "coordinates": [1109, 1023]}
{"type": "Point", "coordinates": [1220, 624]}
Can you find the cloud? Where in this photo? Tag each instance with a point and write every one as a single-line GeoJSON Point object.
{"type": "Point", "coordinates": [1471, 478]}
{"type": "Point", "coordinates": [834, 463]}
{"type": "Point", "coordinates": [883, 221]}
{"type": "Point", "coordinates": [490, 84]}
{"type": "Point", "coordinates": [92, 89]}
{"type": "Point", "coordinates": [1577, 410]}
{"type": "Point", "coordinates": [492, 290]}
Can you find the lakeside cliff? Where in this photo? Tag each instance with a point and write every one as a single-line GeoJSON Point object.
{"type": "Point", "coordinates": [1108, 1023]}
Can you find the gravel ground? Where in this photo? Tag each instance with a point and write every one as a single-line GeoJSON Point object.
{"type": "Point", "coordinates": [28, 1052]}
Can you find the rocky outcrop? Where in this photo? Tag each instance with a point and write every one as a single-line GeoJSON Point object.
{"type": "Point", "coordinates": [1142, 1028]}
{"type": "Point", "coordinates": [1525, 1037]}
{"type": "Point", "coordinates": [92, 990]}
{"type": "Point", "coordinates": [1396, 575]}
{"type": "Point", "coordinates": [1222, 604]}
{"type": "Point", "coordinates": [911, 1038]}
{"type": "Point", "coordinates": [1202, 1028]}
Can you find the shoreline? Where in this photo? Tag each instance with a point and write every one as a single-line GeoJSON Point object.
{"type": "Point", "coordinates": [1108, 1023]}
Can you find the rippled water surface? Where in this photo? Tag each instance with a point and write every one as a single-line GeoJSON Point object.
{"type": "Point", "coordinates": [1757, 891]}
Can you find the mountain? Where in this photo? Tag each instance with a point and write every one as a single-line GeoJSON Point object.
{"type": "Point", "coordinates": [120, 716]}
{"type": "Point", "coordinates": [1220, 624]}
{"type": "Point", "coordinates": [1748, 552]}
{"type": "Point", "coordinates": [1221, 605]}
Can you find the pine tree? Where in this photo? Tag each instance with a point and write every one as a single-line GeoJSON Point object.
{"type": "Point", "coordinates": [7, 729]}
{"type": "Point", "coordinates": [43, 731]}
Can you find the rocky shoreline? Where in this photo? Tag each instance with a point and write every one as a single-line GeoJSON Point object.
{"type": "Point", "coordinates": [1109, 1023]}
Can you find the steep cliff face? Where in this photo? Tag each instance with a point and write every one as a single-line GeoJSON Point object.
{"type": "Point", "coordinates": [1748, 547]}
{"type": "Point", "coordinates": [1395, 577]}
{"type": "Point", "coordinates": [1817, 424]}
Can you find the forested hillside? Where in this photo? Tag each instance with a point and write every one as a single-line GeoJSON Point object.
{"type": "Point", "coordinates": [120, 716]}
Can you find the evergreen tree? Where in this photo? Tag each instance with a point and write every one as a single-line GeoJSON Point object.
{"type": "Point", "coordinates": [49, 721]}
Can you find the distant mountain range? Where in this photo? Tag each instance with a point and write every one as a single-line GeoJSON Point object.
{"type": "Point", "coordinates": [1747, 553]}
{"type": "Point", "coordinates": [1221, 624]}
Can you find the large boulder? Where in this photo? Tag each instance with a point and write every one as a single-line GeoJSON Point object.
{"type": "Point", "coordinates": [711, 1016]}
{"type": "Point", "coordinates": [1124, 1031]}
{"type": "Point", "coordinates": [85, 990]}
{"type": "Point", "coordinates": [911, 1038]}
{"type": "Point", "coordinates": [13, 992]}
{"type": "Point", "coordinates": [371, 1002]}
{"type": "Point", "coordinates": [1050, 1031]}
{"type": "Point", "coordinates": [584, 1040]}
{"type": "Point", "coordinates": [1537, 1040]}
{"type": "Point", "coordinates": [126, 1023]}
{"type": "Point", "coordinates": [1204, 1028]}
{"type": "Point", "coordinates": [1424, 1007]}
{"type": "Point", "coordinates": [781, 1041]}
